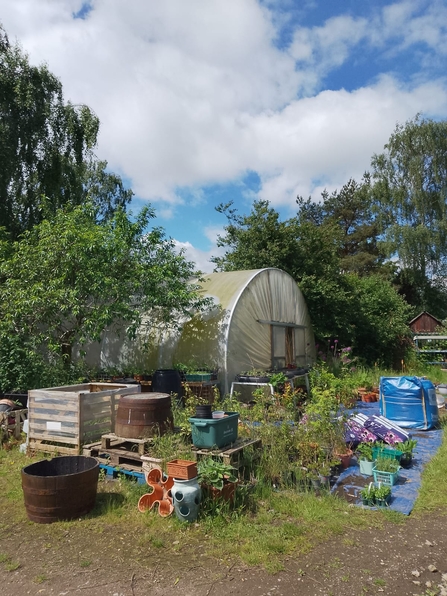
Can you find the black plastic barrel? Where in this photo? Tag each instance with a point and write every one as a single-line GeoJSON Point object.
{"type": "Point", "coordinates": [204, 411]}
{"type": "Point", "coordinates": [61, 488]}
{"type": "Point", "coordinates": [168, 380]}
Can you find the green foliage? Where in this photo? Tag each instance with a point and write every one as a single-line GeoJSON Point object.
{"type": "Point", "coordinates": [380, 317]}
{"type": "Point", "coordinates": [46, 148]}
{"type": "Point", "coordinates": [70, 278]}
{"type": "Point", "coordinates": [368, 493]}
{"type": "Point", "coordinates": [387, 464]}
{"type": "Point", "coordinates": [382, 492]}
{"type": "Point", "coordinates": [352, 213]}
{"type": "Point", "coordinates": [410, 185]}
{"type": "Point", "coordinates": [215, 473]}
{"type": "Point", "coordinates": [365, 451]}
{"type": "Point", "coordinates": [277, 380]}
{"type": "Point", "coordinates": [407, 446]}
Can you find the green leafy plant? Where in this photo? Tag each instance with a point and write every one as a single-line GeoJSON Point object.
{"type": "Point", "coordinates": [215, 473]}
{"type": "Point", "coordinates": [365, 451]}
{"type": "Point", "coordinates": [278, 380]}
{"type": "Point", "coordinates": [387, 464]}
{"type": "Point", "coordinates": [408, 446]}
{"type": "Point", "coordinates": [368, 493]}
{"type": "Point", "coordinates": [382, 492]}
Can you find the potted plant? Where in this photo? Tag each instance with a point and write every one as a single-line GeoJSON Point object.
{"type": "Point", "coordinates": [407, 448]}
{"type": "Point", "coordinates": [217, 478]}
{"type": "Point", "coordinates": [368, 495]}
{"type": "Point", "coordinates": [382, 495]}
{"type": "Point", "coordinates": [278, 381]}
{"type": "Point", "coordinates": [365, 456]}
{"type": "Point", "coordinates": [254, 375]}
{"type": "Point", "coordinates": [386, 470]}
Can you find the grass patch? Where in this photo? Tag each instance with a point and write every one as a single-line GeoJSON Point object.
{"type": "Point", "coordinates": [9, 564]}
{"type": "Point", "coordinates": [433, 494]}
{"type": "Point", "coordinates": [266, 526]}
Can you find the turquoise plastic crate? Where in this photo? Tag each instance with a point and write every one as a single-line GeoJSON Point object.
{"type": "Point", "coordinates": [386, 452]}
{"type": "Point", "coordinates": [388, 478]}
{"type": "Point", "coordinates": [214, 432]}
{"type": "Point", "coordinates": [198, 377]}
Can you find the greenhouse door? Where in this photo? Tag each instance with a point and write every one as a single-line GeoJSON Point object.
{"type": "Point", "coordinates": [283, 346]}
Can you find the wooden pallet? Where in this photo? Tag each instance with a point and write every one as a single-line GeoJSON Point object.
{"type": "Point", "coordinates": [233, 455]}
{"type": "Point", "coordinates": [118, 451]}
{"type": "Point", "coordinates": [12, 422]}
{"type": "Point", "coordinates": [111, 439]}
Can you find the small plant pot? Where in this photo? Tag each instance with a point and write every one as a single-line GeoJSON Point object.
{"type": "Point", "coordinates": [406, 459]}
{"type": "Point", "coordinates": [182, 469]}
{"type": "Point", "coordinates": [366, 467]}
{"type": "Point", "coordinates": [383, 502]}
{"type": "Point", "coordinates": [227, 493]}
{"type": "Point", "coordinates": [368, 502]}
{"type": "Point", "coordinates": [345, 459]}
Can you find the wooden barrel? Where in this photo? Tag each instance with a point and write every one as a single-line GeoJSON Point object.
{"type": "Point", "coordinates": [140, 416]}
{"type": "Point", "coordinates": [61, 488]}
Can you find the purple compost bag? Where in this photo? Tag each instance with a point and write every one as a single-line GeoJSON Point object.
{"type": "Point", "coordinates": [386, 430]}
{"type": "Point", "coordinates": [410, 402]}
{"type": "Point", "coordinates": [355, 432]}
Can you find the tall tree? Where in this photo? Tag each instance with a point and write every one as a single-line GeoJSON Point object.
{"type": "Point", "coordinates": [70, 278]}
{"type": "Point", "coordinates": [411, 186]}
{"type": "Point", "coordinates": [46, 147]}
{"type": "Point", "coordinates": [352, 211]}
{"type": "Point", "coordinates": [261, 239]}
{"type": "Point", "coordinates": [308, 247]}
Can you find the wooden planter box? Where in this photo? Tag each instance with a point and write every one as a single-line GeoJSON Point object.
{"type": "Point", "coordinates": [63, 419]}
{"type": "Point", "coordinates": [182, 469]}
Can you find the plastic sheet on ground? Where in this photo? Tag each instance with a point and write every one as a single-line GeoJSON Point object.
{"type": "Point", "coordinates": [405, 492]}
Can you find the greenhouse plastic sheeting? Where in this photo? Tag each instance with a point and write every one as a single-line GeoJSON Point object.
{"type": "Point", "coordinates": [409, 401]}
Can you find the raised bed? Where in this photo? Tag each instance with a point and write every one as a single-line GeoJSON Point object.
{"type": "Point", "coordinates": [63, 419]}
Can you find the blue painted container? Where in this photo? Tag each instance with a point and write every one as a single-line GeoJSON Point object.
{"type": "Point", "coordinates": [410, 402]}
{"type": "Point", "coordinates": [186, 497]}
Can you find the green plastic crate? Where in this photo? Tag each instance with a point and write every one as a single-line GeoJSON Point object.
{"type": "Point", "coordinates": [198, 377]}
{"type": "Point", "coordinates": [388, 478]}
{"type": "Point", "coordinates": [214, 432]}
{"type": "Point", "coordinates": [386, 452]}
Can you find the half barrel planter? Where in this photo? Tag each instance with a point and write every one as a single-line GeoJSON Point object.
{"type": "Point", "coordinates": [62, 488]}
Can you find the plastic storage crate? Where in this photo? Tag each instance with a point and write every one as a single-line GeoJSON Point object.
{"type": "Point", "coordinates": [386, 452]}
{"type": "Point", "coordinates": [198, 376]}
{"type": "Point", "coordinates": [214, 432]}
{"type": "Point", "coordinates": [388, 478]}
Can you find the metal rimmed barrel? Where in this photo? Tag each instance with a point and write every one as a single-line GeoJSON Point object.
{"type": "Point", "coordinates": [61, 488]}
{"type": "Point", "coordinates": [144, 415]}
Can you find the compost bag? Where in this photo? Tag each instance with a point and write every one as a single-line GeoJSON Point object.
{"type": "Point", "coordinates": [410, 402]}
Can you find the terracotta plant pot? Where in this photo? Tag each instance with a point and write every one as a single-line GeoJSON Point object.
{"type": "Point", "coordinates": [345, 458]}
{"type": "Point", "coordinates": [227, 493]}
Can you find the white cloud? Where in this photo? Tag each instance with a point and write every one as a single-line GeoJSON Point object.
{"type": "Point", "coordinates": [192, 93]}
{"type": "Point", "coordinates": [200, 257]}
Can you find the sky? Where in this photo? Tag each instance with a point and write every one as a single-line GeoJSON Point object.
{"type": "Point", "coordinates": [202, 102]}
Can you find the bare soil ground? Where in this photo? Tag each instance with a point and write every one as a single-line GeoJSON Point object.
{"type": "Point", "coordinates": [64, 560]}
